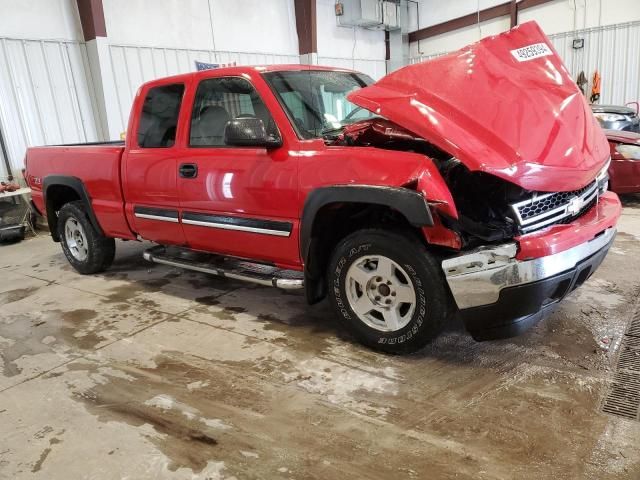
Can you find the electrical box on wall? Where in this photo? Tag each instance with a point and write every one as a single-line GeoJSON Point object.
{"type": "Point", "coordinates": [391, 15]}
{"type": "Point", "coordinates": [371, 14]}
{"type": "Point", "coordinates": [360, 13]}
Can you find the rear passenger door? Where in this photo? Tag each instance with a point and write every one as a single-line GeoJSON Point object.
{"type": "Point", "coordinates": [150, 166]}
{"type": "Point", "coordinates": [239, 201]}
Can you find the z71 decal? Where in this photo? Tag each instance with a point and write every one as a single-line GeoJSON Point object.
{"type": "Point", "coordinates": [530, 52]}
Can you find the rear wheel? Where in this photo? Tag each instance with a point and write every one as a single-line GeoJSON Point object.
{"type": "Point", "coordinates": [86, 249]}
{"type": "Point", "coordinates": [389, 290]}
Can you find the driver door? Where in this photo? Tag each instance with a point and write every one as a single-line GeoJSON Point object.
{"type": "Point", "coordinates": [239, 201]}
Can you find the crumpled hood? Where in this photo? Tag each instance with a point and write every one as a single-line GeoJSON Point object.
{"type": "Point", "coordinates": [505, 106]}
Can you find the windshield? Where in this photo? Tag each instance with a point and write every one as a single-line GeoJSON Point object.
{"type": "Point", "coordinates": [316, 101]}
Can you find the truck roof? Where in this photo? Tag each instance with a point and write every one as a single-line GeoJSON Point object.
{"type": "Point", "coordinates": [245, 69]}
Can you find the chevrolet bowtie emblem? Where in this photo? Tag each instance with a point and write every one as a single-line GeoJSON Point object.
{"type": "Point", "coordinates": [575, 204]}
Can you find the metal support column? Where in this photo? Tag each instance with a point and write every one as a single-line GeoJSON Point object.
{"type": "Point", "coordinates": [5, 155]}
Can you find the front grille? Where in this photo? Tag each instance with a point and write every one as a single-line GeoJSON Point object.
{"type": "Point", "coordinates": [546, 209]}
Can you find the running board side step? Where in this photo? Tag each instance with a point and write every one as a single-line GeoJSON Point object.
{"type": "Point", "coordinates": [236, 269]}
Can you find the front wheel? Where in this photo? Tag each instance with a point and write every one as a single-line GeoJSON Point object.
{"type": "Point", "coordinates": [389, 290]}
{"type": "Point", "coordinates": [87, 250]}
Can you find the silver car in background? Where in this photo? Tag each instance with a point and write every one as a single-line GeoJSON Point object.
{"type": "Point", "coordinates": [615, 117]}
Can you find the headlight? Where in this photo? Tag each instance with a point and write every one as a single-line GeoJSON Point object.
{"type": "Point", "coordinates": [609, 117]}
{"type": "Point", "coordinates": [630, 152]}
{"type": "Point", "coordinates": [603, 177]}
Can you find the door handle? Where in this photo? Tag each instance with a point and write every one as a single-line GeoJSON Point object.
{"type": "Point", "coordinates": [188, 170]}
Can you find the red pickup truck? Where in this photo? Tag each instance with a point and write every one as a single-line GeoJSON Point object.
{"type": "Point", "coordinates": [474, 184]}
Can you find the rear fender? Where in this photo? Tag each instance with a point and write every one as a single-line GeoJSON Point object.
{"type": "Point", "coordinates": [79, 188]}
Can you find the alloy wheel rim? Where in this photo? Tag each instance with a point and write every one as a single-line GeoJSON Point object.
{"type": "Point", "coordinates": [381, 293]}
{"type": "Point", "coordinates": [76, 239]}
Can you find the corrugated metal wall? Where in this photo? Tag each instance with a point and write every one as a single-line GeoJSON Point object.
{"type": "Point", "coordinates": [46, 95]}
{"type": "Point", "coordinates": [374, 68]}
{"type": "Point", "coordinates": [133, 65]}
{"type": "Point", "coordinates": [613, 50]}
{"type": "Point", "coordinates": [424, 58]}
{"type": "Point", "coordinates": [48, 98]}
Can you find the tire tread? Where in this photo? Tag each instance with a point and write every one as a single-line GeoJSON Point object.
{"type": "Point", "coordinates": [403, 244]}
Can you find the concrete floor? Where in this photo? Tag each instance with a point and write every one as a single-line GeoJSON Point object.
{"type": "Point", "coordinates": [151, 372]}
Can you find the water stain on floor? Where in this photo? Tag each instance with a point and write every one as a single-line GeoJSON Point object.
{"type": "Point", "coordinates": [53, 329]}
{"type": "Point", "coordinates": [208, 300]}
{"type": "Point", "coordinates": [43, 456]}
{"type": "Point", "coordinates": [184, 434]}
{"type": "Point", "coordinates": [16, 295]}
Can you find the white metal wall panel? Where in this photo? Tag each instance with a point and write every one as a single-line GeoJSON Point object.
{"type": "Point", "coordinates": [46, 95]}
{"type": "Point", "coordinates": [613, 50]}
{"type": "Point", "coordinates": [424, 58]}
{"type": "Point", "coordinates": [376, 69]}
{"type": "Point", "coordinates": [133, 65]}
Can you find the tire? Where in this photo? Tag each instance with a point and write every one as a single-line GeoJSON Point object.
{"type": "Point", "coordinates": [368, 259]}
{"type": "Point", "coordinates": [87, 250]}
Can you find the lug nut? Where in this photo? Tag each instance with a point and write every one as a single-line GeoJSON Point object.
{"type": "Point", "coordinates": [378, 279]}
{"type": "Point", "coordinates": [377, 298]}
{"type": "Point", "coordinates": [388, 301]}
{"type": "Point", "coordinates": [393, 294]}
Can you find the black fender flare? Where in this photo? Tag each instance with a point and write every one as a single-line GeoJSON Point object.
{"type": "Point", "coordinates": [77, 186]}
{"type": "Point", "coordinates": [411, 204]}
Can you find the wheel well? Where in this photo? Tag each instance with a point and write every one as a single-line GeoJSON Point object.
{"type": "Point", "coordinates": [57, 196]}
{"type": "Point", "coordinates": [335, 221]}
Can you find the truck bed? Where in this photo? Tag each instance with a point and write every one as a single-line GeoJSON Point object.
{"type": "Point", "coordinates": [97, 165]}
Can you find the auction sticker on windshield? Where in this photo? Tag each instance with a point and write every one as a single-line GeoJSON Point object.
{"type": "Point", "coordinates": [530, 52]}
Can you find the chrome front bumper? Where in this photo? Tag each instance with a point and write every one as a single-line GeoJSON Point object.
{"type": "Point", "coordinates": [477, 278]}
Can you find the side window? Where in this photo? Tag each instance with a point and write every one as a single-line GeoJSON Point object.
{"type": "Point", "coordinates": [219, 100]}
{"type": "Point", "coordinates": [159, 118]}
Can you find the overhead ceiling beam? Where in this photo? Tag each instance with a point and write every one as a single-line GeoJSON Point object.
{"type": "Point", "coordinates": [501, 10]}
{"type": "Point", "coordinates": [306, 26]}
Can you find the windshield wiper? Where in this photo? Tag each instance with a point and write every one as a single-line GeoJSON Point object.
{"type": "Point", "coordinates": [325, 131]}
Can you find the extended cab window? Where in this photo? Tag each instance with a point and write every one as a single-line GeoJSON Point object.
{"type": "Point", "coordinates": [316, 101]}
{"type": "Point", "coordinates": [219, 100]}
{"type": "Point", "coordinates": [159, 119]}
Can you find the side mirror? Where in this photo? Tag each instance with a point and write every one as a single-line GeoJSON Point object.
{"type": "Point", "coordinates": [249, 132]}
